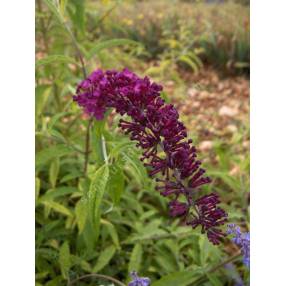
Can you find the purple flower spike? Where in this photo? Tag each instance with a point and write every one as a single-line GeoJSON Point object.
{"type": "Point", "coordinates": [167, 152]}
{"type": "Point", "coordinates": [242, 240]}
{"type": "Point", "coordinates": [137, 281]}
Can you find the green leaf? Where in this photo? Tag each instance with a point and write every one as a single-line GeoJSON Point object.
{"type": "Point", "coordinates": [204, 246]}
{"type": "Point", "coordinates": [165, 96]}
{"type": "Point", "coordinates": [195, 58]}
{"type": "Point", "coordinates": [97, 141]}
{"type": "Point", "coordinates": [70, 177]}
{"type": "Point", "coordinates": [213, 279]}
{"type": "Point", "coordinates": [58, 208]}
{"type": "Point", "coordinates": [121, 147]}
{"type": "Point", "coordinates": [76, 260]}
{"type": "Point", "coordinates": [77, 17]}
{"type": "Point", "coordinates": [57, 192]}
{"type": "Point", "coordinates": [181, 278]}
{"type": "Point", "coordinates": [136, 258]}
{"type": "Point", "coordinates": [159, 70]}
{"type": "Point", "coordinates": [95, 195]}
{"type": "Point", "coordinates": [109, 44]}
{"type": "Point", "coordinates": [42, 95]}
{"type": "Point", "coordinates": [54, 9]}
{"type": "Point", "coordinates": [56, 117]}
{"type": "Point", "coordinates": [42, 275]}
{"type": "Point", "coordinates": [63, 4]}
{"type": "Point", "coordinates": [132, 162]}
{"type": "Point", "coordinates": [112, 232]}
{"type": "Point", "coordinates": [55, 282]}
{"type": "Point", "coordinates": [65, 259]}
{"type": "Point", "coordinates": [54, 171]}
{"type": "Point", "coordinates": [104, 257]}
{"type": "Point", "coordinates": [50, 153]}
{"type": "Point", "coordinates": [116, 183]}
{"type": "Point", "coordinates": [38, 187]}
{"type": "Point", "coordinates": [166, 259]}
{"type": "Point", "coordinates": [55, 134]}
{"type": "Point", "coordinates": [81, 212]}
{"type": "Point", "coordinates": [78, 14]}
{"type": "Point", "coordinates": [190, 62]}
{"type": "Point", "coordinates": [55, 59]}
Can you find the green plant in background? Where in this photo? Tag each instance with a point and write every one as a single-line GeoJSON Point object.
{"type": "Point", "coordinates": [129, 228]}
{"type": "Point", "coordinates": [218, 34]}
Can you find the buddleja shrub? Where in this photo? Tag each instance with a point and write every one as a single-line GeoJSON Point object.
{"type": "Point", "coordinates": [167, 152]}
{"type": "Point", "coordinates": [70, 242]}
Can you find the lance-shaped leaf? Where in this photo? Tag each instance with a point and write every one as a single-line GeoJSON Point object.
{"type": "Point", "coordinates": [81, 212]}
{"type": "Point", "coordinates": [136, 258]}
{"type": "Point", "coordinates": [104, 257]}
{"type": "Point", "coordinates": [110, 44]}
{"type": "Point", "coordinates": [55, 59]}
{"type": "Point", "coordinates": [95, 195]}
{"type": "Point", "coordinates": [182, 278]}
{"type": "Point", "coordinates": [64, 259]}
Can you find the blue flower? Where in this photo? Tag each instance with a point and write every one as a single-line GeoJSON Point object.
{"type": "Point", "coordinates": [137, 281]}
{"type": "Point", "coordinates": [242, 240]}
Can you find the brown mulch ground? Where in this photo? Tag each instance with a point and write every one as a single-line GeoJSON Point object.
{"type": "Point", "coordinates": [214, 107]}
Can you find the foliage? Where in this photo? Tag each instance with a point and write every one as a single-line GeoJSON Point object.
{"type": "Point", "coordinates": [110, 220]}
{"type": "Point", "coordinates": [217, 33]}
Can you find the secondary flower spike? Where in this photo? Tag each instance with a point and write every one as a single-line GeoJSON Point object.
{"type": "Point", "coordinates": [242, 240]}
{"type": "Point", "coordinates": [167, 153]}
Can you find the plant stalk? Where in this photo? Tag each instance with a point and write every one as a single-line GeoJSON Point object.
{"type": "Point", "coordinates": [79, 54]}
{"type": "Point", "coordinates": [87, 142]}
{"type": "Point", "coordinates": [97, 276]}
{"type": "Point", "coordinates": [87, 136]}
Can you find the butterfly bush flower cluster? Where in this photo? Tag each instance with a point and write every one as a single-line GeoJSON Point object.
{"type": "Point", "coordinates": [242, 240]}
{"type": "Point", "coordinates": [167, 153]}
{"type": "Point", "coordinates": [138, 281]}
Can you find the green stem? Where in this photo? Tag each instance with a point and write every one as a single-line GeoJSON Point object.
{"type": "Point", "coordinates": [76, 46]}
{"type": "Point", "coordinates": [87, 137]}
{"type": "Point", "coordinates": [103, 147]}
{"type": "Point", "coordinates": [87, 142]}
{"type": "Point", "coordinates": [97, 276]}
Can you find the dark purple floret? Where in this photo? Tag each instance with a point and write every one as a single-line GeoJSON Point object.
{"type": "Point", "coordinates": [210, 217]}
{"type": "Point", "coordinates": [178, 208]}
{"type": "Point", "coordinates": [167, 152]}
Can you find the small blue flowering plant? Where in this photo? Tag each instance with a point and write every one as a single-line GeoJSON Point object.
{"type": "Point", "coordinates": [242, 240]}
{"type": "Point", "coordinates": [138, 281]}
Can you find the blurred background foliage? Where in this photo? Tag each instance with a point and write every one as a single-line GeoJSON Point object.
{"type": "Point", "coordinates": [109, 219]}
